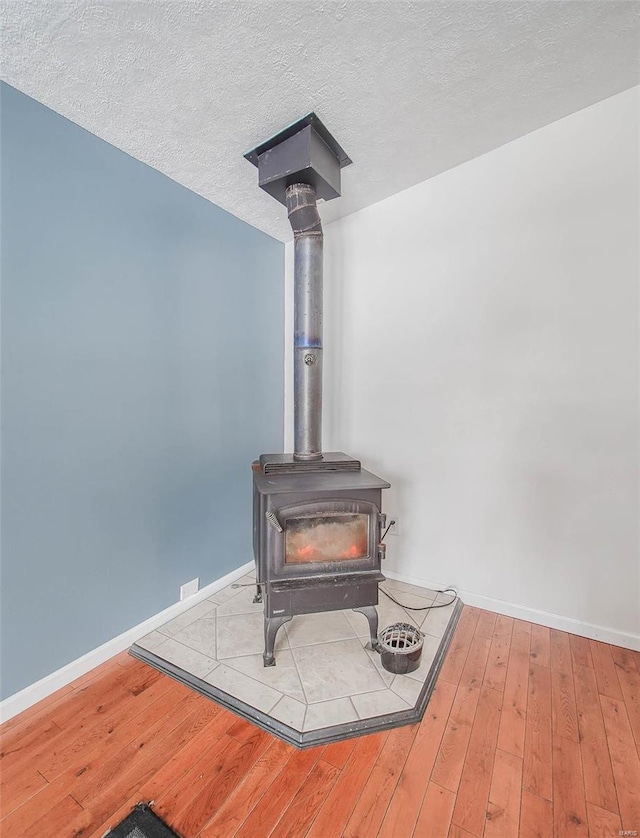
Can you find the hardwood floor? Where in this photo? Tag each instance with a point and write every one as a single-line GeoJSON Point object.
{"type": "Point", "coordinates": [530, 732]}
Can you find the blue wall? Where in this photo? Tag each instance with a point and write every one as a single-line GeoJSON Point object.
{"type": "Point", "coordinates": [142, 371]}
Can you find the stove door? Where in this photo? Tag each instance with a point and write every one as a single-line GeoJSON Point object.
{"type": "Point", "coordinates": [325, 536]}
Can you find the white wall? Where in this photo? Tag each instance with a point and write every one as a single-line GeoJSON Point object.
{"type": "Point", "coordinates": [481, 346]}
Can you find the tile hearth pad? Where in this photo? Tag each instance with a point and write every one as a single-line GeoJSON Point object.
{"type": "Point", "coordinates": [326, 684]}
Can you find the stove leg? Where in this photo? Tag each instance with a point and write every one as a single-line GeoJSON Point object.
{"type": "Point", "coordinates": [258, 597]}
{"type": "Point", "coordinates": [271, 626]}
{"type": "Point", "coordinates": [371, 614]}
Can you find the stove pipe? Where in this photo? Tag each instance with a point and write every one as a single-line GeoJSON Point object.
{"type": "Point", "coordinates": [307, 343]}
{"type": "Point", "coordinates": [296, 167]}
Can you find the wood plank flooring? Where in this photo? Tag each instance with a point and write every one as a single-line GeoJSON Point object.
{"type": "Point", "coordinates": [530, 732]}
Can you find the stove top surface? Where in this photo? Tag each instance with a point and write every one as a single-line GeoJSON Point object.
{"type": "Point", "coordinates": [321, 481]}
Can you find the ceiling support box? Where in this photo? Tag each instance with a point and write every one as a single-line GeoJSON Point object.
{"type": "Point", "coordinates": [305, 152]}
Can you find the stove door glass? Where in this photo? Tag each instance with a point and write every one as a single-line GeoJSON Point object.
{"type": "Point", "coordinates": [326, 537]}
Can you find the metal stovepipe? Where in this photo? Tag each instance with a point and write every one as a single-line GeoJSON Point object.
{"type": "Point", "coordinates": [307, 381]}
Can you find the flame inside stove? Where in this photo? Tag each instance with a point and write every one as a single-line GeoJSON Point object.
{"type": "Point", "coordinates": [327, 538]}
{"type": "Point", "coordinates": [308, 553]}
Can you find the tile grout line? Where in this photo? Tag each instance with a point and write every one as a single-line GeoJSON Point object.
{"type": "Point", "coordinates": [304, 692]}
{"type": "Point", "coordinates": [355, 709]}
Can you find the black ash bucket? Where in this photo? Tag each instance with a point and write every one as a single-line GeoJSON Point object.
{"type": "Point", "coordinates": [400, 647]}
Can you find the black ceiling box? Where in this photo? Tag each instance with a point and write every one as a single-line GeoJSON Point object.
{"type": "Point", "coordinates": [305, 152]}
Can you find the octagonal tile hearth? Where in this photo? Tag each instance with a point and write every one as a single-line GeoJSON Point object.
{"type": "Point", "coordinates": [326, 684]}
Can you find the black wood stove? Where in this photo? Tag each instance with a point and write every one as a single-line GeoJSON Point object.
{"type": "Point", "coordinates": [317, 517]}
{"type": "Point", "coordinates": [316, 542]}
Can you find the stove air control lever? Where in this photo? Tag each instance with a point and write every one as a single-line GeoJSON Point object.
{"type": "Point", "coordinates": [271, 518]}
{"type": "Point", "coordinates": [382, 523]}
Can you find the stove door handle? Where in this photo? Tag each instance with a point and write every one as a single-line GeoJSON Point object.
{"type": "Point", "coordinates": [272, 519]}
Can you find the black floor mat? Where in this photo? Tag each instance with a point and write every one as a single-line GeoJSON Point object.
{"type": "Point", "coordinates": [141, 823]}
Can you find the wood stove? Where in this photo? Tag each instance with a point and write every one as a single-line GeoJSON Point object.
{"type": "Point", "coordinates": [317, 517]}
{"type": "Point", "coordinates": [316, 541]}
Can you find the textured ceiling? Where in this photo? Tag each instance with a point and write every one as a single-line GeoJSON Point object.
{"type": "Point", "coordinates": [408, 88]}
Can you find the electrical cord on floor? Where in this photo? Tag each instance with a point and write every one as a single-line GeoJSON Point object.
{"type": "Point", "coordinates": [424, 607]}
{"type": "Point", "coordinates": [409, 608]}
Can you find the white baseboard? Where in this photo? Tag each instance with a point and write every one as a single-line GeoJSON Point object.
{"type": "Point", "coordinates": [533, 615]}
{"type": "Point", "coordinates": [30, 695]}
